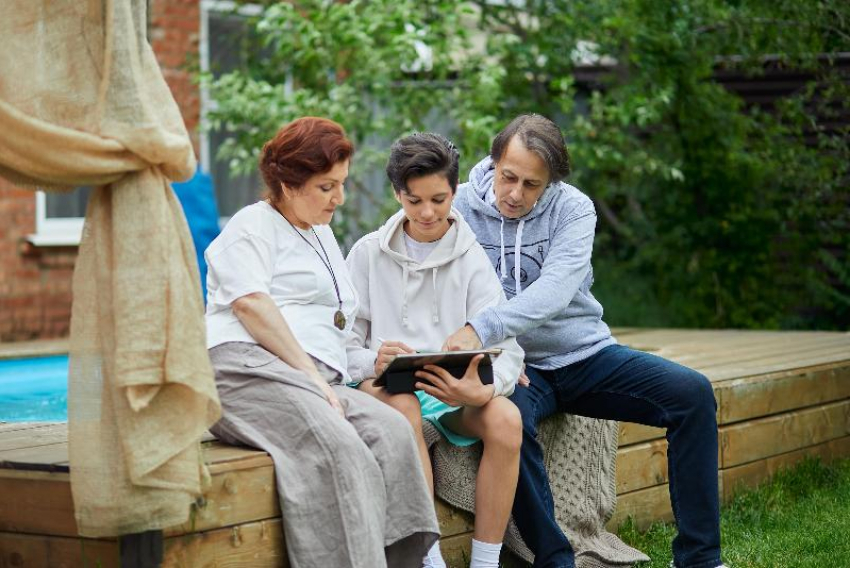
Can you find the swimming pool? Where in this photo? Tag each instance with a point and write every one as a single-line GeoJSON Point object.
{"type": "Point", "coordinates": [34, 389]}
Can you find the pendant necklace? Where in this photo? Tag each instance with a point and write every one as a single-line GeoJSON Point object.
{"type": "Point", "coordinates": [339, 317]}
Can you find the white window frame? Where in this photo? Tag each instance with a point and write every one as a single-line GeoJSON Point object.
{"type": "Point", "coordinates": [207, 102]}
{"type": "Point", "coordinates": [54, 231]}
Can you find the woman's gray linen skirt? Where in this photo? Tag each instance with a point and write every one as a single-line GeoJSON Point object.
{"type": "Point", "coordinates": [352, 491]}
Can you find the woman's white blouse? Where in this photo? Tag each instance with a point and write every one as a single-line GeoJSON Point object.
{"type": "Point", "coordinates": [259, 251]}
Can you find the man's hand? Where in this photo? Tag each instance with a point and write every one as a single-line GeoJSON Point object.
{"type": "Point", "coordinates": [466, 391]}
{"type": "Point", "coordinates": [523, 380]}
{"type": "Point", "coordinates": [387, 352]}
{"type": "Point", "coordinates": [464, 339]}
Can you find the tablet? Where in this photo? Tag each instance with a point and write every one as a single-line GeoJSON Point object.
{"type": "Point", "coordinates": [399, 376]}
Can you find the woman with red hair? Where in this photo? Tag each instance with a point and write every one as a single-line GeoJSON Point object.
{"type": "Point", "coordinates": [280, 304]}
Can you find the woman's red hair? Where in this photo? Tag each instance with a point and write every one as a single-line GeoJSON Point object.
{"type": "Point", "coordinates": [301, 149]}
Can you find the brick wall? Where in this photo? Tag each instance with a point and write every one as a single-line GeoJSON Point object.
{"type": "Point", "coordinates": [174, 33]}
{"type": "Point", "coordinates": [35, 282]}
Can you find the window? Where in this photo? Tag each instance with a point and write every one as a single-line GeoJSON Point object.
{"type": "Point", "coordinates": [223, 28]}
{"type": "Point", "coordinates": [59, 217]}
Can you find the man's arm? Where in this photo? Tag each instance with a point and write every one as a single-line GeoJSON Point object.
{"type": "Point", "coordinates": [563, 272]}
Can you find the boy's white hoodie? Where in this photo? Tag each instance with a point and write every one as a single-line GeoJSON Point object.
{"type": "Point", "coordinates": [422, 304]}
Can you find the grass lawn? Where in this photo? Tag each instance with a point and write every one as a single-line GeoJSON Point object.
{"type": "Point", "coordinates": [801, 517]}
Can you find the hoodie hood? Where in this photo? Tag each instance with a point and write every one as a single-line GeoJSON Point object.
{"type": "Point", "coordinates": [455, 243]}
{"type": "Point", "coordinates": [457, 240]}
{"type": "Point", "coordinates": [481, 179]}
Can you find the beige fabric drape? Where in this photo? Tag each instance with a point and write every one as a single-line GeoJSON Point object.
{"type": "Point", "coordinates": [83, 102]}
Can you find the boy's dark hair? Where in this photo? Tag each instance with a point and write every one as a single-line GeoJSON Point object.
{"type": "Point", "coordinates": [540, 136]}
{"type": "Point", "coordinates": [419, 155]}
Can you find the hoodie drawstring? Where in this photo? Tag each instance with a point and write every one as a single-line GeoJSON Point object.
{"type": "Point", "coordinates": [517, 255]}
{"type": "Point", "coordinates": [435, 312]}
{"type": "Point", "coordinates": [502, 246]}
{"type": "Point", "coordinates": [404, 276]}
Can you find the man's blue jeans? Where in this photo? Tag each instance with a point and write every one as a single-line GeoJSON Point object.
{"type": "Point", "coordinates": [619, 383]}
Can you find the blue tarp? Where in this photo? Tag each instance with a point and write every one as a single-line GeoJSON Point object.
{"type": "Point", "coordinates": [199, 206]}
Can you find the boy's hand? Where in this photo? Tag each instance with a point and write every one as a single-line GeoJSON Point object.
{"type": "Point", "coordinates": [466, 391]}
{"type": "Point", "coordinates": [388, 352]}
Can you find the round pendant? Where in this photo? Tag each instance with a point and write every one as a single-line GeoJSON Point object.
{"type": "Point", "coordinates": [339, 320]}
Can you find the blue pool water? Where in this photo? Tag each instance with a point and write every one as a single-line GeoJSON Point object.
{"type": "Point", "coordinates": [34, 389]}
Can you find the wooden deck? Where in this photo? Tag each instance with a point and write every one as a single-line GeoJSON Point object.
{"type": "Point", "coordinates": [782, 396]}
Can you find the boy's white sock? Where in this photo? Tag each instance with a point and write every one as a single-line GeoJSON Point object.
{"type": "Point", "coordinates": [485, 555]}
{"type": "Point", "coordinates": [434, 558]}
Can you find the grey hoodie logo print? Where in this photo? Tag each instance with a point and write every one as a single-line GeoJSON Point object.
{"type": "Point", "coordinates": [532, 256]}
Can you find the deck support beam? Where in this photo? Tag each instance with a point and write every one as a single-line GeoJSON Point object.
{"type": "Point", "coordinates": [141, 550]}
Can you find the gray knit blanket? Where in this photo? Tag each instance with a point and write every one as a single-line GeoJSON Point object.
{"type": "Point", "coordinates": [580, 455]}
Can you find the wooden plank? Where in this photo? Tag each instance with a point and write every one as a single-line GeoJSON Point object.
{"type": "Point", "coordinates": [56, 552]}
{"type": "Point", "coordinates": [233, 498]}
{"type": "Point", "coordinates": [6, 427]}
{"type": "Point", "coordinates": [745, 399]}
{"type": "Point", "coordinates": [684, 340]}
{"type": "Point", "coordinates": [47, 458]}
{"type": "Point", "coordinates": [755, 473]}
{"type": "Point", "coordinates": [632, 433]}
{"type": "Point", "coordinates": [771, 367]}
{"type": "Point", "coordinates": [221, 457]}
{"type": "Point", "coordinates": [644, 506]}
{"type": "Point", "coordinates": [38, 348]}
{"type": "Point", "coordinates": [453, 521]}
{"type": "Point", "coordinates": [43, 504]}
{"type": "Point", "coordinates": [46, 434]}
{"type": "Point", "coordinates": [688, 345]}
{"type": "Point", "coordinates": [642, 465]}
{"type": "Point", "coordinates": [818, 353]}
{"type": "Point", "coordinates": [758, 439]}
{"type": "Point", "coordinates": [252, 545]}
{"type": "Point", "coordinates": [40, 506]}
{"type": "Point", "coordinates": [701, 355]}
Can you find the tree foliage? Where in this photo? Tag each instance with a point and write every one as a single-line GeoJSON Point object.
{"type": "Point", "coordinates": [712, 214]}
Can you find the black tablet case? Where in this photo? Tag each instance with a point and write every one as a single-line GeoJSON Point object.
{"type": "Point", "coordinates": [404, 380]}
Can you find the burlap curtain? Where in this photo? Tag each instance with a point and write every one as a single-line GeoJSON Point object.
{"type": "Point", "coordinates": [83, 102]}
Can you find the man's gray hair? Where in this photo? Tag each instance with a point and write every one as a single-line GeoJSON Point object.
{"type": "Point", "coordinates": [539, 135]}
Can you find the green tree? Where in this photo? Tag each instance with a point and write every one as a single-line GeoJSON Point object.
{"type": "Point", "coordinates": [711, 214]}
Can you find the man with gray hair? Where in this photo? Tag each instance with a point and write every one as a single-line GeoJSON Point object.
{"type": "Point", "coordinates": [538, 232]}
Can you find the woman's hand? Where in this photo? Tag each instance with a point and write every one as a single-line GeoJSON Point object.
{"type": "Point", "coordinates": [388, 351]}
{"type": "Point", "coordinates": [466, 391]}
{"type": "Point", "coordinates": [329, 394]}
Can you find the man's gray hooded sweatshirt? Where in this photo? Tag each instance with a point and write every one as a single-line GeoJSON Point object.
{"type": "Point", "coordinates": [543, 261]}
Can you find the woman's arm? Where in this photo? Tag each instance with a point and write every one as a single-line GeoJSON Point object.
{"type": "Point", "coordinates": [264, 322]}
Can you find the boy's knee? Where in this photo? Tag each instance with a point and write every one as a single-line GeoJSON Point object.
{"type": "Point", "coordinates": [409, 406]}
{"type": "Point", "coordinates": [396, 425]}
{"type": "Point", "coordinates": [503, 425]}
